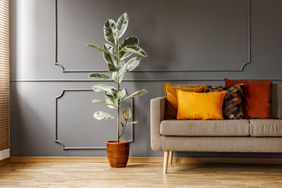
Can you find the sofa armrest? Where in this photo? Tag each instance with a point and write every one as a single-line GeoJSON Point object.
{"type": "Point", "coordinates": [157, 114]}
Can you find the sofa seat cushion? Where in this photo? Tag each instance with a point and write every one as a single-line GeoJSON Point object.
{"type": "Point", "coordinates": [266, 127]}
{"type": "Point", "coordinates": [205, 128]}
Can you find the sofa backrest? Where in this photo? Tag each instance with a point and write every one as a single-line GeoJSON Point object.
{"type": "Point", "coordinates": [277, 100]}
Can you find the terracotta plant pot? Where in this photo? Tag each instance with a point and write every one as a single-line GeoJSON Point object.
{"type": "Point", "coordinates": [118, 153]}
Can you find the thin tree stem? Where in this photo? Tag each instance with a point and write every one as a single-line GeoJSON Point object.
{"type": "Point", "coordinates": [118, 121]}
{"type": "Point", "coordinates": [118, 87]}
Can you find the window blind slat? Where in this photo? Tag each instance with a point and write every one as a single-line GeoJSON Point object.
{"type": "Point", "coordinates": [4, 74]}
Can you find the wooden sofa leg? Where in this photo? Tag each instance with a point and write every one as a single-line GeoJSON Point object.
{"type": "Point", "coordinates": [165, 162]}
{"type": "Point", "coordinates": [170, 157]}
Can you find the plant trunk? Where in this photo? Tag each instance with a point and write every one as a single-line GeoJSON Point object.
{"type": "Point", "coordinates": [118, 85]}
{"type": "Point", "coordinates": [118, 108]}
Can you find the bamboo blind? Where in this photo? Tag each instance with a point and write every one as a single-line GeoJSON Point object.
{"type": "Point", "coordinates": [4, 74]}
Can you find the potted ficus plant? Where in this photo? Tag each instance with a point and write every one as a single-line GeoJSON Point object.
{"type": "Point", "coordinates": [121, 57]}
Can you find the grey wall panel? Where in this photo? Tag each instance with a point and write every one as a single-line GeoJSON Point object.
{"type": "Point", "coordinates": [212, 42]}
{"type": "Point", "coordinates": [32, 39]}
{"type": "Point", "coordinates": [176, 35]}
{"type": "Point", "coordinates": [75, 128]}
{"type": "Point", "coordinates": [33, 119]}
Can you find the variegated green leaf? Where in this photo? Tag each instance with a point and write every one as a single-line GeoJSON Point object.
{"type": "Point", "coordinates": [110, 31]}
{"type": "Point", "coordinates": [100, 115]}
{"type": "Point", "coordinates": [124, 55]}
{"type": "Point", "coordinates": [121, 94]}
{"type": "Point", "coordinates": [122, 24]}
{"type": "Point", "coordinates": [118, 75]}
{"type": "Point", "coordinates": [137, 94]}
{"type": "Point", "coordinates": [109, 57]}
{"type": "Point", "coordinates": [121, 73]}
{"type": "Point", "coordinates": [111, 100]}
{"type": "Point", "coordinates": [130, 41]}
{"type": "Point", "coordinates": [96, 47]}
{"type": "Point", "coordinates": [135, 50]}
{"type": "Point", "coordinates": [132, 123]}
{"type": "Point", "coordinates": [115, 76]}
{"type": "Point", "coordinates": [99, 76]}
{"type": "Point", "coordinates": [104, 102]}
{"type": "Point", "coordinates": [103, 88]}
{"type": "Point", "coordinates": [127, 114]}
{"type": "Point", "coordinates": [98, 101]}
{"type": "Point", "coordinates": [132, 63]}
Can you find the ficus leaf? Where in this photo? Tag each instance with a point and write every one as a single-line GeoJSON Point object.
{"type": "Point", "coordinates": [122, 24]}
{"type": "Point", "coordinates": [117, 76]}
{"type": "Point", "coordinates": [121, 94]}
{"type": "Point", "coordinates": [121, 73]}
{"type": "Point", "coordinates": [132, 122]}
{"type": "Point", "coordinates": [132, 63]}
{"type": "Point", "coordinates": [96, 47]}
{"type": "Point", "coordinates": [100, 115]}
{"type": "Point", "coordinates": [137, 94]}
{"type": "Point", "coordinates": [104, 102]}
{"type": "Point", "coordinates": [124, 55]}
{"type": "Point", "coordinates": [135, 50]}
{"type": "Point", "coordinates": [98, 101]}
{"type": "Point", "coordinates": [130, 41]}
{"type": "Point", "coordinates": [111, 101]}
{"type": "Point", "coordinates": [127, 114]}
{"type": "Point", "coordinates": [110, 31]}
{"type": "Point", "coordinates": [103, 88]}
{"type": "Point", "coordinates": [109, 58]}
{"type": "Point", "coordinates": [99, 76]}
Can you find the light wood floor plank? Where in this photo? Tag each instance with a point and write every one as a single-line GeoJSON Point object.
{"type": "Point", "coordinates": [77, 173]}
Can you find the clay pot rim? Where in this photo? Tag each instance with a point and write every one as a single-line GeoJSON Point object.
{"type": "Point", "coordinates": [116, 142]}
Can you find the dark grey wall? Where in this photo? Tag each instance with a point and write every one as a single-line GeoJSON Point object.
{"type": "Point", "coordinates": [188, 41]}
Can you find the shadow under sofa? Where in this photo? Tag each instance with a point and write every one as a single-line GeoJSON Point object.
{"type": "Point", "coordinates": [244, 135]}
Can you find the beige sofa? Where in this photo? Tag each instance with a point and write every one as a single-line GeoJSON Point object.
{"type": "Point", "coordinates": [246, 135]}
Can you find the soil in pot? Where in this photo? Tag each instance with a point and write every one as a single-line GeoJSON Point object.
{"type": "Point", "coordinates": [118, 153]}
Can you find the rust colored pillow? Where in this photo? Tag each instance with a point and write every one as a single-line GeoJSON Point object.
{"type": "Point", "coordinates": [256, 99]}
{"type": "Point", "coordinates": [171, 96]}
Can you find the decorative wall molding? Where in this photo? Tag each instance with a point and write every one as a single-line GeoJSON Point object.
{"type": "Point", "coordinates": [134, 80]}
{"type": "Point", "coordinates": [241, 69]}
{"type": "Point", "coordinates": [60, 142]}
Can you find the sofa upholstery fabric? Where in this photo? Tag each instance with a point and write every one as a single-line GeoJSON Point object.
{"type": "Point", "coordinates": [222, 144]}
{"type": "Point", "coordinates": [205, 128]}
{"type": "Point", "coordinates": [157, 114]}
{"type": "Point", "coordinates": [266, 127]}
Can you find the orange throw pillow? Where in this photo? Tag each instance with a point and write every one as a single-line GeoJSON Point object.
{"type": "Point", "coordinates": [201, 106]}
{"type": "Point", "coordinates": [256, 98]}
{"type": "Point", "coordinates": [171, 96]}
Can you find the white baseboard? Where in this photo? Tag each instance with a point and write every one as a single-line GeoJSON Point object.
{"type": "Point", "coordinates": [4, 154]}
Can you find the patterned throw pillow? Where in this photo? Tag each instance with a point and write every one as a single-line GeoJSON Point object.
{"type": "Point", "coordinates": [232, 106]}
{"type": "Point", "coordinates": [257, 98]}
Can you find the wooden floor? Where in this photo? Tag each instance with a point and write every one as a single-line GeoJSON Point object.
{"type": "Point", "coordinates": [93, 174]}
